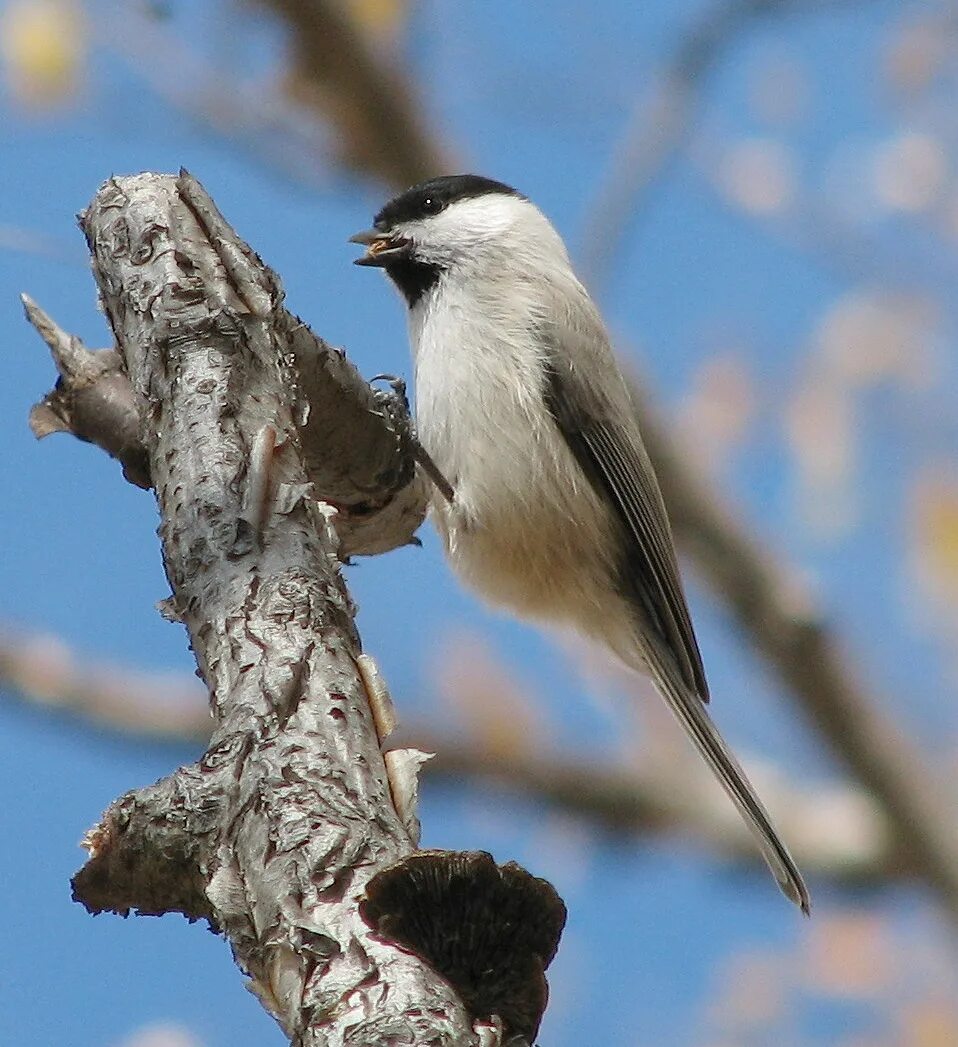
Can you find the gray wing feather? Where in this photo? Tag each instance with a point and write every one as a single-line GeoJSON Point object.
{"type": "Point", "coordinates": [607, 445]}
{"type": "Point", "coordinates": [694, 718]}
{"type": "Point", "coordinates": [599, 428]}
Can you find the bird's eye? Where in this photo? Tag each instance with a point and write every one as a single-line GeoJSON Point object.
{"type": "Point", "coordinates": [432, 205]}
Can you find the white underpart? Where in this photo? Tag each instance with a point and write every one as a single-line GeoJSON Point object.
{"type": "Point", "coordinates": [526, 529]}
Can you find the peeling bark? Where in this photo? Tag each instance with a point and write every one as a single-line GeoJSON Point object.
{"type": "Point", "coordinates": [273, 836]}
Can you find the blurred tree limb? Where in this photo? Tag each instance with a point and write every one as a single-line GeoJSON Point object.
{"type": "Point", "coordinates": [295, 833]}
{"type": "Point", "coordinates": [337, 71]}
{"type": "Point", "coordinates": [838, 833]}
{"type": "Point", "coordinates": [340, 99]}
{"type": "Point", "coordinates": [795, 638]}
{"type": "Point", "coordinates": [759, 589]}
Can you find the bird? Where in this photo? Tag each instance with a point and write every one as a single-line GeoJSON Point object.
{"type": "Point", "coordinates": [555, 514]}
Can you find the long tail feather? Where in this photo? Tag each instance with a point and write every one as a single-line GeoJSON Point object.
{"type": "Point", "coordinates": [691, 712]}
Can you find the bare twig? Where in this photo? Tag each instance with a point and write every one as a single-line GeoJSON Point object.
{"type": "Point", "coordinates": [93, 399]}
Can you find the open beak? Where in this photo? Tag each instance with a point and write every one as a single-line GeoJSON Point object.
{"type": "Point", "coordinates": [381, 248]}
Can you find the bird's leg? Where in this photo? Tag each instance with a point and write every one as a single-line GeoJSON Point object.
{"type": "Point", "coordinates": [420, 454]}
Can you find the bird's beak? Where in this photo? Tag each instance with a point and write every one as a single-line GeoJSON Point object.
{"type": "Point", "coordinates": [381, 248]}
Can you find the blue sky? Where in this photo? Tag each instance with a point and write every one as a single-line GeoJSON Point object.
{"type": "Point", "coordinates": [536, 95]}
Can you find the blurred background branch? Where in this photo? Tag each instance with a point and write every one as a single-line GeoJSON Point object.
{"type": "Point", "coordinates": [342, 75]}
{"type": "Point", "coordinates": [837, 833]}
{"type": "Point", "coordinates": [781, 621]}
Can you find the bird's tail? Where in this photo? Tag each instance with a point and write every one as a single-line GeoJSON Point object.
{"type": "Point", "coordinates": [693, 715]}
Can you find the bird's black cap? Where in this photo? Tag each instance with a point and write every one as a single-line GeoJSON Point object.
{"type": "Point", "coordinates": [429, 198]}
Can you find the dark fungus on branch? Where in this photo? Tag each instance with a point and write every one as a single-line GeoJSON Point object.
{"type": "Point", "coordinates": [491, 931]}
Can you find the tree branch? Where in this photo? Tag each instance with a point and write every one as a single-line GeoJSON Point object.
{"type": "Point", "coordinates": [356, 442]}
{"type": "Point", "coordinates": [837, 833]}
{"type": "Point", "coordinates": [291, 817]}
{"type": "Point", "coordinates": [93, 399]}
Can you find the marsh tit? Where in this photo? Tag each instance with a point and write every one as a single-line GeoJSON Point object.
{"type": "Point", "coordinates": [556, 512]}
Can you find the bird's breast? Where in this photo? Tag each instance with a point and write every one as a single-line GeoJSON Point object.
{"type": "Point", "coordinates": [526, 530]}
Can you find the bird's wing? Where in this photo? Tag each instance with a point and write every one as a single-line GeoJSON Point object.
{"type": "Point", "coordinates": [597, 420]}
{"type": "Point", "coordinates": [598, 426]}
